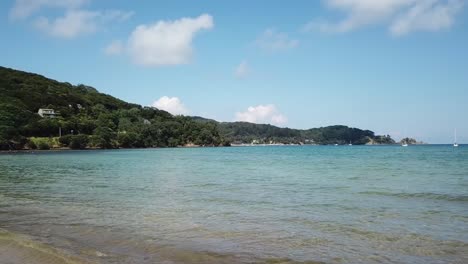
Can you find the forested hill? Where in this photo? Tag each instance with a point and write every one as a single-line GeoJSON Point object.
{"type": "Point", "coordinates": [243, 132]}
{"type": "Point", "coordinates": [88, 119]}
{"type": "Point", "coordinates": [248, 133]}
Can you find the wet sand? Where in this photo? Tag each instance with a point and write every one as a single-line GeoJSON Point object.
{"type": "Point", "coordinates": [20, 249]}
{"type": "Point", "coordinates": [16, 249]}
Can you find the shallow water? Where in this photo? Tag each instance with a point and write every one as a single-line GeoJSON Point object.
{"type": "Point", "coordinates": [344, 204]}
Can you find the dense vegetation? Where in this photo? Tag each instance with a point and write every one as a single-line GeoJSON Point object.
{"type": "Point", "coordinates": [410, 141]}
{"type": "Point", "coordinates": [242, 132]}
{"type": "Point", "coordinates": [89, 119]}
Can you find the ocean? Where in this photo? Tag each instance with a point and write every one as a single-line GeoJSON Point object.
{"type": "Point", "coordinates": [265, 204]}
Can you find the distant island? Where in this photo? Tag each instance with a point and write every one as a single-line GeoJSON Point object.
{"type": "Point", "coordinates": [40, 113]}
{"type": "Point", "coordinates": [411, 141]}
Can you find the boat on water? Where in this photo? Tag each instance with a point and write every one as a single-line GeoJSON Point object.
{"type": "Point", "coordinates": [404, 142]}
{"type": "Point", "coordinates": [455, 144]}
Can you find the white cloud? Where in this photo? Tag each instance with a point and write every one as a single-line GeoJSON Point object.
{"type": "Point", "coordinates": [242, 70]}
{"type": "Point", "coordinates": [74, 23]}
{"type": "Point", "coordinates": [114, 48]}
{"type": "Point", "coordinates": [79, 22]}
{"type": "Point", "coordinates": [262, 114]}
{"type": "Point", "coordinates": [426, 17]}
{"type": "Point", "coordinates": [279, 119]}
{"type": "Point", "coordinates": [25, 8]}
{"type": "Point", "coordinates": [115, 15]}
{"type": "Point", "coordinates": [401, 16]}
{"type": "Point", "coordinates": [166, 42]}
{"type": "Point", "coordinates": [172, 105]}
{"type": "Point", "coordinates": [271, 40]}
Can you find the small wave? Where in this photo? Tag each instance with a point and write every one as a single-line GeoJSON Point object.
{"type": "Point", "coordinates": [189, 257]}
{"type": "Point", "coordinates": [20, 249]}
{"type": "Point", "coordinates": [203, 185]}
{"type": "Point", "coordinates": [434, 196]}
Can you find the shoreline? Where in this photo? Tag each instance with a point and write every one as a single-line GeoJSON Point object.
{"type": "Point", "coordinates": [20, 249]}
{"type": "Point", "coordinates": [34, 151]}
{"type": "Point", "coordinates": [17, 248]}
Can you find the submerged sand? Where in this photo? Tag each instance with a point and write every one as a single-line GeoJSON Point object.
{"type": "Point", "coordinates": [17, 249]}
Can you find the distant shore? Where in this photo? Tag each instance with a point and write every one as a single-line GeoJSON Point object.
{"type": "Point", "coordinates": [95, 149]}
{"type": "Point", "coordinates": [32, 151]}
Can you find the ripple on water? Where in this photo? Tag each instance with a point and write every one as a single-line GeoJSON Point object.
{"type": "Point", "coordinates": [243, 205]}
{"type": "Point", "coordinates": [434, 196]}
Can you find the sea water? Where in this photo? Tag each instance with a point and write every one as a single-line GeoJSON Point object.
{"type": "Point", "coordinates": [272, 204]}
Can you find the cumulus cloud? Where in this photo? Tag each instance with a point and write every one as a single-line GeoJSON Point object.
{"type": "Point", "coordinates": [166, 42]}
{"type": "Point", "coordinates": [426, 16]}
{"type": "Point", "coordinates": [172, 105]}
{"type": "Point", "coordinates": [115, 15]}
{"type": "Point", "coordinates": [242, 70]}
{"type": "Point", "coordinates": [271, 40]}
{"type": "Point", "coordinates": [79, 22]}
{"type": "Point", "coordinates": [262, 114]}
{"type": "Point", "coordinates": [25, 8]}
{"type": "Point", "coordinates": [401, 16]}
{"type": "Point", "coordinates": [114, 48]}
{"type": "Point", "coordinates": [72, 24]}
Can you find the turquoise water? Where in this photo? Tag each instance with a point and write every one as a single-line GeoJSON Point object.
{"type": "Point", "coordinates": [278, 204]}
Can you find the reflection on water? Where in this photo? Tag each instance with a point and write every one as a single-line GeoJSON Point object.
{"type": "Point", "coordinates": [243, 205]}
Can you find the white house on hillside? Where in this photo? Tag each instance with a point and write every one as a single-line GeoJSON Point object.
{"type": "Point", "coordinates": [50, 113]}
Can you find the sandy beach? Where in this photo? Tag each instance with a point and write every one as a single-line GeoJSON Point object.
{"type": "Point", "coordinates": [17, 249]}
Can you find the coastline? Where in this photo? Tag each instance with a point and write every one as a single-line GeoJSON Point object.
{"type": "Point", "coordinates": [19, 249]}
{"type": "Point", "coordinates": [34, 151]}
{"type": "Point", "coordinates": [58, 150]}
{"type": "Point", "coordinates": [65, 149]}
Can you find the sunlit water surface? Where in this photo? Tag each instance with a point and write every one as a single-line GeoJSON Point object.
{"type": "Point", "coordinates": [332, 204]}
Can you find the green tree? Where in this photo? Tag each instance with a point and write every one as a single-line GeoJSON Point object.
{"type": "Point", "coordinates": [104, 137]}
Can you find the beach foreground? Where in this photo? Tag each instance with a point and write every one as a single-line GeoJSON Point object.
{"type": "Point", "coordinates": [20, 249]}
{"type": "Point", "coordinates": [16, 249]}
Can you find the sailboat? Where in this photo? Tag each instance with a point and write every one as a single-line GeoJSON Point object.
{"type": "Point", "coordinates": [455, 144]}
{"type": "Point", "coordinates": [404, 143]}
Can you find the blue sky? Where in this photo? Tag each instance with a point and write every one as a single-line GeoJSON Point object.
{"type": "Point", "coordinates": [397, 67]}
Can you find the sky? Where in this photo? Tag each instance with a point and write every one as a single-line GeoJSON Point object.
{"type": "Point", "coordinates": [397, 67]}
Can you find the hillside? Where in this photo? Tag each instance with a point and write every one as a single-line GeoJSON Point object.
{"type": "Point", "coordinates": [86, 118]}
{"type": "Point", "coordinates": [243, 132]}
{"type": "Point", "coordinates": [246, 133]}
